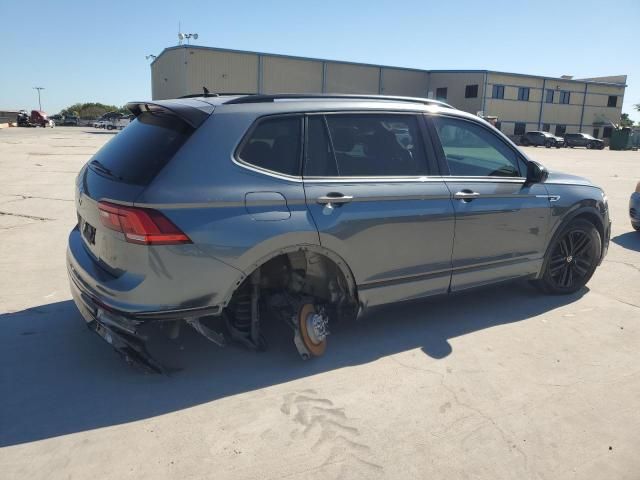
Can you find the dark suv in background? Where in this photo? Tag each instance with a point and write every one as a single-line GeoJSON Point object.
{"type": "Point", "coordinates": [541, 139]}
{"type": "Point", "coordinates": [225, 212]}
{"type": "Point", "coordinates": [582, 140]}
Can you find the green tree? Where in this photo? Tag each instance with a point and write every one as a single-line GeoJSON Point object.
{"type": "Point", "coordinates": [625, 121]}
{"type": "Point", "coordinates": [92, 110]}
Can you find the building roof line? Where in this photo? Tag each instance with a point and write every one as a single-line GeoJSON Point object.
{"type": "Point", "coordinates": [374, 65]}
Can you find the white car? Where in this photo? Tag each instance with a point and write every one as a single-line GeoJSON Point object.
{"type": "Point", "coordinates": [100, 123]}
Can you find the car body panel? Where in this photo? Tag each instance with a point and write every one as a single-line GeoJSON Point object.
{"type": "Point", "coordinates": [410, 220]}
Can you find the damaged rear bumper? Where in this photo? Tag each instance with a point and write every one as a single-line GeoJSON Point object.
{"type": "Point", "coordinates": [121, 329]}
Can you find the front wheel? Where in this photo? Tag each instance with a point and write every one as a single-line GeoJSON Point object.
{"type": "Point", "coordinates": [547, 144]}
{"type": "Point", "coordinates": [573, 257]}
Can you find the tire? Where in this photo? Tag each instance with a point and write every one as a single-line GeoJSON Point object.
{"type": "Point", "coordinates": [524, 142]}
{"type": "Point", "coordinates": [589, 146]}
{"type": "Point", "coordinates": [601, 146]}
{"type": "Point", "coordinates": [571, 259]}
{"type": "Point", "coordinates": [636, 227]}
{"type": "Point", "coordinates": [547, 144]}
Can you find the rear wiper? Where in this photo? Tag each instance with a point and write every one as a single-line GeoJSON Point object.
{"type": "Point", "coordinates": [102, 169]}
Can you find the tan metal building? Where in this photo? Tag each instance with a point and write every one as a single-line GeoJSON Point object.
{"type": "Point", "coordinates": [519, 102]}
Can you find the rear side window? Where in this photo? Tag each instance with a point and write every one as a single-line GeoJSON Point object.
{"type": "Point", "coordinates": [141, 150]}
{"type": "Point", "coordinates": [366, 145]}
{"type": "Point", "coordinates": [472, 151]}
{"type": "Point", "coordinates": [275, 144]}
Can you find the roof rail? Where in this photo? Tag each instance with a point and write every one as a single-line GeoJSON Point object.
{"type": "Point", "coordinates": [260, 98]}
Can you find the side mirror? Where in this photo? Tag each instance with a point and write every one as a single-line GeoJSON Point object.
{"type": "Point", "coordinates": [536, 173]}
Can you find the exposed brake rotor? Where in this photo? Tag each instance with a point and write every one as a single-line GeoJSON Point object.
{"type": "Point", "coordinates": [312, 331]}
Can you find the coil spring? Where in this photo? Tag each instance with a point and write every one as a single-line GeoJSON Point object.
{"type": "Point", "coordinates": [242, 313]}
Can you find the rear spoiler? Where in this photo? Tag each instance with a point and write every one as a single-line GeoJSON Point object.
{"type": "Point", "coordinates": [193, 112]}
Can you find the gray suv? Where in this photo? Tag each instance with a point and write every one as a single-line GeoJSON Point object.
{"type": "Point", "coordinates": [222, 213]}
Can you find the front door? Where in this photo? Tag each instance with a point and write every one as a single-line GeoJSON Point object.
{"type": "Point", "coordinates": [501, 221]}
{"type": "Point", "coordinates": [368, 189]}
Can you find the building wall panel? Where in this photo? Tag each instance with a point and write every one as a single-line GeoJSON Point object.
{"type": "Point", "coordinates": [351, 78]}
{"type": "Point", "coordinates": [410, 83]}
{"type": "Point", "coordinates": [168, 75]}
{"type": "Point", "coordinates": [281, 74]}
{"type": "Point", "coordinates": [456, 83]}
{"type": "Point", "coordinates": [221, 72]}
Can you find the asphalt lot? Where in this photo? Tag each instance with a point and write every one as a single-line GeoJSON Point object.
{"type": "Point", "coordinates": [501, 383]}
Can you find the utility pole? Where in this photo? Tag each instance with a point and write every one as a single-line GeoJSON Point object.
{"type": "Point", "coordinates": [39, 102]}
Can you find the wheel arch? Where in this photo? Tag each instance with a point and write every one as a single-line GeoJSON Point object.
{"type": "Point", "coordinates": [589, 213]}
{"type": "Point", "coordinates": [340, 264]}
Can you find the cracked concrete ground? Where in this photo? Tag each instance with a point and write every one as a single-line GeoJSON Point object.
{"type": "Point", "coordinates": [501, 383]}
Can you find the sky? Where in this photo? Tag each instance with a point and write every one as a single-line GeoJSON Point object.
{"type": "Point", "coordinates": [84, 51]}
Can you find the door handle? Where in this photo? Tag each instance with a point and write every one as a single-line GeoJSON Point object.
{"type": "Point", "coordinates": [334, 198]}
{"type": "Point", "coordinates": [465, 195]}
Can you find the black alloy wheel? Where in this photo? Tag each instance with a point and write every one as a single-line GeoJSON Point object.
{"type": "Point", "coordinates": [573, 258]}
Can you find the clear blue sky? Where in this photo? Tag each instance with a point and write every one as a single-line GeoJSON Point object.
{"type": "Point", "coordinates": [95, 51]}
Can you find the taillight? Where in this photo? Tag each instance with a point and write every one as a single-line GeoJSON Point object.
{"type": "Point", "coordinates": [141, 225]}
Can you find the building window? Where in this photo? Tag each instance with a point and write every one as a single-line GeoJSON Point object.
{"type": "Point", "coordinates": [613, 101]}
{"type": "Point", "coordinates": [498, 125]}
{"type": "Point", "coordinates": [498, 91]}
{"type": "Point", "coordinates": [606, 132]}
{"type": "Point", "coordinates": [441, 93]}
{"type": "Point", "coordinates": [523, 94]}
{"type": "Point", "coordinates": [471, 91]}
{"type": "Point", "coordinates": [546, 127]}
{"type": "Point", "coordinates": [549, 96]}
{"type": "Point", "coordinates": [564, 97]}
{"type": "Point", "coordinates": [596, 132]}
{"type": "Point", "coordinates": [561, 129]}
{"type": "Point", "coordinates": [520, 128]}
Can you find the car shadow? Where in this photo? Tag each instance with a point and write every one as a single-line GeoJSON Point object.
{"type": "Point", "coordinates": [629, 240]}
{"type": "Point", "coordinates": [59, 378]}
{"type": "Point", "coordinates": [106, 132]}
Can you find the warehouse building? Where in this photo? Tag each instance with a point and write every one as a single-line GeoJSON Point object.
{"type": "Point", "coordinates": [516, 102]}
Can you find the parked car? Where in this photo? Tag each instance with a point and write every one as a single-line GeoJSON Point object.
{"type": "Point", "coordinates": [634, 208]}
{"type": "Point", "coordinates": [100, 123]}
{"type": "Point", "coordinates": [537, 138]}
{"type": "Point", "coordinates": [221, 213]}
{"type": "Point", "coordinates": [57, 119]}
{"type": "Point", "coordinates": [583, 140]}
{"type": "Point", "coordinates": [71, 120]}
{"type": "Point", "coordinates": [119, 122]}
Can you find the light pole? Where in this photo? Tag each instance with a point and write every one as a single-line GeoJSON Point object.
{"type": "Point", "coordinates": [39, 103]}
{"type": "Point", "coordinates": [150, 56]}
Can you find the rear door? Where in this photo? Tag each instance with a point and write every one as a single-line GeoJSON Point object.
{"type": "Point", "coordinates": [501, 221]}
{"type": "Point", "coordinates": [370, 189]}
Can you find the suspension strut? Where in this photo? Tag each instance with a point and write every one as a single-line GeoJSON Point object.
{"type": "Point", "coordinates": [244, 324]}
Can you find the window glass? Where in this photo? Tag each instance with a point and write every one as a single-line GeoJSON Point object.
{"type": "Point", "coordinates": [138, 153]}
{"type": "Point", "coordinates": [560, 129]}
{"type": "Point", "coordinates": [606, 132]}
{"type": "Point", "coordinates": [498, 91]}
{"type": "Point", "coordinates": [365, 146]}
{"type": "Point", "coordinates": [519, 128]}
{"type": "Point", "coordinates": [612, 101]}
{"type": "Point", "coordinates": [523, 93]}
{"type": "Point", "coordinates": [546, 127]}
{"type": "Point", "coordinates": [441, 93]}
{"type": "Point", "coordinates": [471, 91]}
{"type": "Point", "coordinates": [565, 97]}
{"type": "Point", "coordinates": [275, 145]}
{"type": "Point", "coordinates": [549, 96]}
{"type": "Point", "coordinates": [471, 150]}
{"type": "Point", "coordinates": [596, 132]}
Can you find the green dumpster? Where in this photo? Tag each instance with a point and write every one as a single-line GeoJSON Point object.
{"type": "Point", "coordinates": [620, 139]}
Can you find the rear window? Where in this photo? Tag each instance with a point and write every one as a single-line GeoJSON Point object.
{"type": "Point", "coordinates": [141, 150]}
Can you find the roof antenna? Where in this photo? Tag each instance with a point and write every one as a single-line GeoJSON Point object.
{"type": "Point", "coordinates": [205, 90]}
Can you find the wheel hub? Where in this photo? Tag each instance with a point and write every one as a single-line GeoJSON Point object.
{"type": "Point", "coordinates": [317, 327]}
{"type": "Point", "coordinates": [569, 259]}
